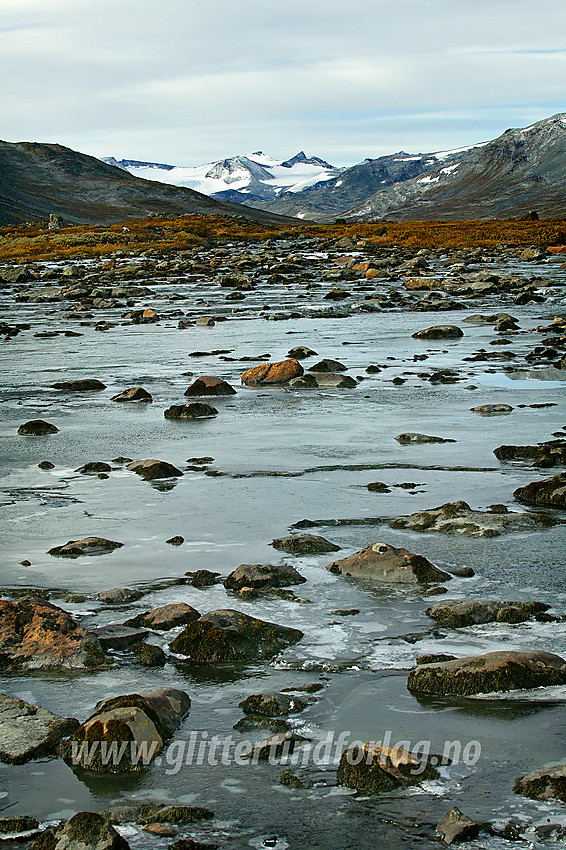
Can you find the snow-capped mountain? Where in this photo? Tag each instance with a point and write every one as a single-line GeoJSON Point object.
{"type": "Point", "coordinates": [249, 179]}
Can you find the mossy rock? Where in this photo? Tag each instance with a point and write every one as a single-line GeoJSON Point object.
{"type": "Point", "coordinates": [17, 824]}
{"type": "Point", "coordinates": [374, 769]}
{"type": "Point", "coordinates": [548, 783]}
{"type": "Point", "coordinates": [182, 814]}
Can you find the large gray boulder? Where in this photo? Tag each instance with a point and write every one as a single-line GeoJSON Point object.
{"type": "Point", "coordinates": [548, 783]}
{"type": "Point", "coordinates": [228, 635]}
{"type": "Point", "coordinates": [384, 563]}
{"type": "Point", "coordinates": [29, 731]}
{"type": "Point", "coordinates": [84, 831]}
{"type": "Point", "coordinates": [494, 671]}
{"type": "Point", "coordinates": [260, 576]}
{"type": "Point", "coordinates": [126, 733]}
{"type": "Point", "coordinates": [165, 617]}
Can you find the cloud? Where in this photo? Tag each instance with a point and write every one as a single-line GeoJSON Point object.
{"type": "Point", "coordinates": [187, 82]}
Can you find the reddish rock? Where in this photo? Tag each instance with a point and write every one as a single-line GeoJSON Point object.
{"type": "Point", "coordinates": [133, 394]}
{"type": "Point", "coordinates": [36, 635]}
{"type": "Point", "coordinates": [209, 385]}
{"type": "Point", "coordinates": [272, 374]}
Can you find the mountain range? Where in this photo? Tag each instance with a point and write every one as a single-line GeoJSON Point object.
{"type": "Point", "coordinates": [520, 171]}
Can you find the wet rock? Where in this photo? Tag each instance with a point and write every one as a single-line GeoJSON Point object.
{"type": "Point", "coordinates": [144, 317]}
{"type": "Point", "coordinates": [272, 374]}
{"type": "Point", "coordinates": [550, 453]}
{"type": "Point", "coordinates": [458, 613]}
{"type": "Point", "coordinates": [182, 814]}
{"type": "Point", "coordinates": [191, 844]}
{"type": "Point", "coordinates": [46, 464]}
{"type": "Point", "coordinates": [85, 385]}
{"type": "Point", "coordinates": [205, 321]}
{"type": "Point", "coordinates": [384, 563]}
{"type": "Point", "coordinates": [129, 722]}
{"type": "Point", "coordinates": [494, 671]}
{"type": "Point", "coordinates": [203, 578]}
{"type": "Point", "coordinates": [491, 409]}
{"type": "Point", "coordinates": [259, 576]}
{"type": "Point", "coordinates": [272, 704]}
{"type": "Point", "coordinates": [328, 366]}
{"type": "Point", "coordinates": [148, 654]}
{"type": "Point", "coordinates": [373, 769]}
{"type": "Point", "coordinates": [301, 352]}
{"type": "Point", "coordinates": [228, 635]}
{"type": "Point", "coordinates": [36, 635]}
{"type": "Point", "coordinates": [117, 636]}
{"type": "Point", "coordinates": [37, 428]}
{"type": "Point", "coordinates": [378, 487]}
{"type": "Point", "coordinates": [291, 780]}
{"type": "Point", "coordinates": [550, 492]}
{"type": "Point", "coordinates": [346, 612]}
{"type": "Point", "coordinates": [119, 595]}
{"type": "Point", "coordinates": [455, 827]}
{"type": "Point", "coordinates": [461, 571]}
{"type": "Point", "coordinates": [304, 544]}
{"type": "Point", "coordinates": [433, 658]}
{"type": "Point", "coordinates": [195, 410]}
{"type": "Point", "coordinates": [93, 467]}
{"type": "Point", "coordinates": [276, 746]}
{"type": "Point", "coordinates": [160, 829]}
{"type": "Point", "coordinates": [29, 731]}
{"type": "Point", "coordinates": [410, 437]}
{"type": "Point", "coordinates": [548, 783]}
{"type": "Point", "coordinates": [459, 518]}
{"type": "Point", "coordinates": [439, 332]}
{"type": "Point", "coordinates": [177, 540]}
{"type": "Point", "coordinates": [165, 617]}
{"type": "Point", "coordinates": [208, 385]}
{"type": "Point", "coordinates": [84, 831]}
{"type": "Point", "coordinates": [151, 469]}
{"type": "Point", "coordinates": [420, 283]}
{"type": "Point", "coordinates": [533, 254]}
{"type": "Point", "coordinates": [133, 394]}
{"type": "Point", "coordinates": [18, 827]}
{"type": "Point", "coordinates": [86, 546]}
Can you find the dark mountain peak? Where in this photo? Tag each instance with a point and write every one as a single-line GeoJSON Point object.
{"type": "Point", "coordinates": [124, 164]}
{"type": "Point", "coordinates": [302, 158]}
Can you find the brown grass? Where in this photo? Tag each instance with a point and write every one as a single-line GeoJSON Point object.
{"type": "Point", "coordinates": [172, 235]}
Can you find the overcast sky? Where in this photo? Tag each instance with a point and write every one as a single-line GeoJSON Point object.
{"type": "Point", "coordinates": [191, 81]}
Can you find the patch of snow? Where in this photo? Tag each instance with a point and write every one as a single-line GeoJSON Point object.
{"type": "Point", "coordinates": [429, 179]}
{"type": "Point", "coordinates": [407, 158]}
{"type": "Point", "coordinates": [338, 182]}
{"type": "Point", "coordinates": [445, 154]}
{"type": "Point", "coordinates": [450, 168]}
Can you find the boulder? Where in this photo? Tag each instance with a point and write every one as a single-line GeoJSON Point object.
{"type": "Point", "coordinates": [165, 617]}
{"type": "Point", "coordinates": [459, 518]}
{"type": "Point", "coordinates": [116, 636]}
{"type": "Point", "coordinates": [150, 469]}
{"type": "Point", "coordinates": [416, 284]}
{"type": "Point", "coordinates": [328, 366]}
{"type": "Point", "coordinates": [259, 576]}
{"type": "Point", "coordinates": [37, 428]}
{"type": "Point", "coordinates": [272, 704]}
{"type": "Point", "coordinates": [323, 380]}
{"type": "Point", "coordinates": [384, 563]}
{"type": "Point", "coordinates": [458, 613]}
{"type": "Point", "coordinates": [133, 394]}
{"type": "Point", "coordinates": [195, 410]}
{"type": "Point", "coordinates": [548, 493]}
{"type": "Point", "coordinates": [207, 385]}
{"type": "Point", "coordinates": [455, 827]}
{"type": "Point", "coordinates": [372, 769]}
{"type": "Point", "coordinates": [494, 671]}
{"type": "Point", "coordinates": [85, 385]}
{"type": "Point", "coordinates": [119, 595]}
{"type": "Point", "coordinates": [93, 467]}
{"type": "Point", "coordinates": [121, 728]}
{"type": "Point", "coordinates": [439, 332]}
{"type": "Point", "coordinates": [276, 746]}
{"type": "Point", "coordinates": [84, 831]}
{"type": "Point", "coordinates": [176, 540]}
{"type": "Point", "coordinates": [18, 828]}
{"type": "Point", "coordinates": [304, 544]}
{"type": "Point", "coordinates": [272, 374]}
{"type": "Point", "coordinates": [228, 635]}
{"type": "Point", "coordinates": [181, 814]}
{"type": "Point", "coordinates": [30, 731]}
{"type": "Point", "coordinates": [148, 654]}
{"type": "Point", "coordinates": [411, 437]}
{"type": "Point", "coordinates": [490, 410]}
{"type": "Point", "coordinates": [36, 635]}
{"type": "Point", "coordinates": [547, 783]}
{"type": "Point", "coordinates": [86, 546]}
{"type": "Point", "coordinates": [550, 453]}
{"type": "Point", "coordinates": [300, 352]}
{"type": "Point", "coordinates": [203, 578]}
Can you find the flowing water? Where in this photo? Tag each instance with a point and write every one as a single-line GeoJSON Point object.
{"type": "Point", "coordinates": [285, 455]}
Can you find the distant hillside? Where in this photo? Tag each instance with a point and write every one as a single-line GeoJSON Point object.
{"type": "Point", "coordinates": [39, 179]}
{"type": "Point", "coordinates": [522, 170]}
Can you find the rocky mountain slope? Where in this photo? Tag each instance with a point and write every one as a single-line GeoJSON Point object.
{"type": "Point", "coordinates": [39, 179]}
{"type": "Point", "coordinates": [522, 170]}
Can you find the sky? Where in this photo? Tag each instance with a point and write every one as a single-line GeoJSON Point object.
{"type": "Point", "coordinates": [191, 81]}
